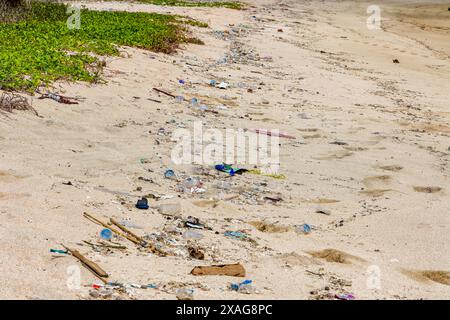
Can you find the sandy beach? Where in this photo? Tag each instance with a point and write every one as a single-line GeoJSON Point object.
{"type": "Point", "coordinates": [368, 169]}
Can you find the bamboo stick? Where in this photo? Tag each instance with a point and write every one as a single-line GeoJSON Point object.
{"type": "Point", "coordinates": [93, 219]}
{"type": "Point", "coordinates": [90, 265]}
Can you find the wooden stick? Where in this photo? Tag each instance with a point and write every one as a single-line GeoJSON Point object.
{"type": "Point", "coordinates": [164, 92]}
{"type": "Point", "coordinates": [106, 245]}
{"type": "Point", "coordinates": [121, 227]}
{"type": "Point", "coordinates": [90, 217]}
{"type": "Point", "coordinates": [142, 241]}
{"type": "Point", "coordinates": [129, 235]}
{"type": "Point", "coordinates": [90, 265]}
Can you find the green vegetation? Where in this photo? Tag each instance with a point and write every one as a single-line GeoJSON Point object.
{"type": "Point", "coordinates": [40, 48]}
{"type": "Point", "coordinates": [183, 3]}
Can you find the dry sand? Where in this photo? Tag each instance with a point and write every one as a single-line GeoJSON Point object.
{"type": "Point", "coordinates": [330, 78]}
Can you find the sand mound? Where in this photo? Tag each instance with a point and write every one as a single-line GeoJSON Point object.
{"type": "Point", "coordinates": [333, 255]}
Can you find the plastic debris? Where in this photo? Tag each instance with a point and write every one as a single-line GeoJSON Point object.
{"type": "Point", "coordinates": [192, 235]}
{"type": "Point", "coordinates": [345, 296]}
{"type": "Point", "coordinates": [192, 185]}
{"type": "Point", "coordinates": [245, 287]}
{"type": "Point", "coordinates": [229, 169]}
{"type": "Point", "coordinates": [169, 174]}
{"type": "Point", "coordinates": [236, 234]}
{"type": "Point", "coordinates": [271, 175]}
{"type": "Point", "coordinates": [58, 98]}
{"type": "Point", "coordinates": [59, 251]}
{"type": "Point", "coordinates": [193, 222]}
{"type": "Point", "coordinates": [304, 228]}
{"type": "Point", "coordinates": [142, 204]}
{"type": "Point", "coordinates": [106, 234]}
{"type": "Point", "coordinates": [185, 294]}
{"type": "Point", "coordinates": [223, 85]}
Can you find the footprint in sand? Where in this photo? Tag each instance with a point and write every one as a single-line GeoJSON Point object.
{"type": "Point", "coordinates": [340, 154]}
{"type": "Point", "coordinates": [6, 176]}
{"type": "Point", "coordinates": [11, 196]}
{"type": "Point", "coordinates": [268, 227]}
{"type": "Point", "coordinates": [442, 277]}
{"type": "Point", "coordinates": [333, 255]}
{"type": "Point", "coordinates": [294, 259]}
{"type": "Point", "coordinates": [320, 201]}
{"type": "Point", "coordinates": [375, 185]}
{"type": "Point", "coordinates": [376, 180]}
{"type": "Point", "coordinates": [427, 189]}
{"type": "Point", "coordinates": [393, 168]}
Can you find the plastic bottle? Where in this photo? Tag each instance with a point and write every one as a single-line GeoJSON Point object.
{"type": "Point", "coordinates": [191, 234]}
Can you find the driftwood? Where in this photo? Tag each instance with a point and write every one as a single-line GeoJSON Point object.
{"type": "Point", "coordinates": [90, 265]}
{"type": "Point", "coordinates": [127, 234]}
{"type": "Point", "coordinates": [164, 92]}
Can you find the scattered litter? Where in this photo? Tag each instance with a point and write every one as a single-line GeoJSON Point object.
{"type": "Point", "coordinates": [59, 98]}
{"type": "Point", "coordinates": [192, 235]}
{"type": "Point", "coordinates": [223, 85]}
{"type": "Point", "coordinates": [59, 251]}
{"type": "Point", "coordinates": [323, 211]}
{"type": "Point", "coordinates": [185, 294]}
{"type": "Point", "coordinates": [245, 287]}
{"type": "Point", "coordinates": [106, 234]}
{"type": "Point", "coordinates": [345, 296]}
{"type": "Point", "coordinates": [229, 169]}
{"type": "Point", "coordinates": [271, 175]}
{"type": "Point", "coordinates": [142, 204]}
{"type": "Point", "coordinates": [192, 185]}
{"type": "Point", "coordinates": [169, 174]}
{"type": "Point", "coordinates": [304, 228]}
{"type": "Point", "coordinates": [236, 234]}
{"type": "Point", "coordinates": [232, 270]}
{"type": "Point", "coordinates": [127, 234]}
{"type": "Point", "coordinates": [193, 222]}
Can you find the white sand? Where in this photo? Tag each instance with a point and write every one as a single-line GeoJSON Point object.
{"type": "Point", "coordinates": [327, 65]}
